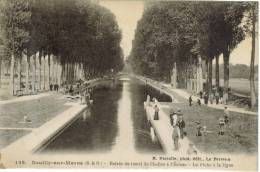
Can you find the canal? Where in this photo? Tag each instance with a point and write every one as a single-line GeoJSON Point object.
{"type": "Point", "coordinates": [115, 123]}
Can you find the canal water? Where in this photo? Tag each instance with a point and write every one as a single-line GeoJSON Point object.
{"type": "Point", "coordinates": [115, 123]}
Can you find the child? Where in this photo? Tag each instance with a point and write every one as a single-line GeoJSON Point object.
{"type": "Point", "coordinates": [226, 115]}
{"type": "Point", "coordinates": [198, 129]}
{"type": "Point", "coordinates": [221, 126]}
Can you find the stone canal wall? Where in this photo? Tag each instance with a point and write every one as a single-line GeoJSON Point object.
{"type": "Point", "coordinates": [40, 136]}
{"type": "Point", "coordinates": [163, 131]}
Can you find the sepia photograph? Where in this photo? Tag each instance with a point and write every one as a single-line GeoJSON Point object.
{"type": "Point", "coordinates": [132, 84]}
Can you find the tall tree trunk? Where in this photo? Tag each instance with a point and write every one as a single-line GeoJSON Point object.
{"type": "Point", "coordinates": [53, 60]}
{"type": "Point", "coordinates": [58, 70]}
{"type": "Point", "coordinates": [199, 75]}
{"type": "Point", "coordinates": [40, 70]}
{"type": "Point", "coordinates": [217, 72]}
{"type": "Point", "coordinates": [27, 86]}
{"type": "Point", "coordinates": [34, 73]}
{"type": "Point", "coordinates": [44, 69]}
{"type": "Point", "coordinates": [49, 71]}
{"type": "Point", "coordinates": [12, 84]}
{"type": "Point", "coordinates": [210, 75]}
{"type": "Point", "coordinates": [19, 68]}
{"type": "Point", "coordinates": [226, 70]}
{"type": "Point", "coordinates": [72, 72]}
{"type": "Point", "coordinates": [207, 74]}
{"type": "Point", "coordinates": [0, 72]}
{"type": "Point", "coordinates": [66, 68]}
{"type": "Point", "coordinates": [252, 64]}
{"type": "Point", "coordinates": [63, 72]}
{"type": "Point", "coordinates": [76, 71]}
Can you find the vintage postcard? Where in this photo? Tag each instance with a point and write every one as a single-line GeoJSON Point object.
{"type": "Point", "coordinates": [142, 84]}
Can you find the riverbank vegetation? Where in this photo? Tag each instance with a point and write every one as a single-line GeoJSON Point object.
{"type": "Point", "coordinates": [182, 37]}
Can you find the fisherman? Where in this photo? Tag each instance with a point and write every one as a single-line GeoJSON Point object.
{"type": "Point", "coordinates": [176, 130]}
{"type": "Point", "coordinates": [156, 113]}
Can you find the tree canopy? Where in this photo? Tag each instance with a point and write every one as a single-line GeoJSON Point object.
{"type": "Point", "coordinates": [75, 31]}
{"type": "Point", "coordinates": [179, 32]}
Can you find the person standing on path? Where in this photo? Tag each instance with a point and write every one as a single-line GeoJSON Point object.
{"type": "Point", "coordinates": [156, 113]}
{"type": "Point", "coordinates": [190, 100]}
{"type": "Point", "coordinates": [181, 125]}
{"type": "Point", "coordinates": [201, 94]}
{"type": "Point", "coordinates": [211, 98]}
{"type": "Point", "coordinates": [225, 98]}
{"type": "Point", "coordinates": [206, 99]}
{"type": "Point", "coordinates": [176, 130]}
{"type": "Point", "coordinates": [217, 98]}
{"type": "Point", "coordinates": [51, 86]}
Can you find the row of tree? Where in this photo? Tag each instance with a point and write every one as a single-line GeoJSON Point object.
{"type": "Point", "coordinates": [185, 32]}
{"type": "Point", "coordinates": [76, 34]}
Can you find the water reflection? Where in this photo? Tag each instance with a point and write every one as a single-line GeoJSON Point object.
{"type": "Point", "coordinates": [125, 138]}
{"type": "Point", "coordinates": [86, 114]}
{"type": "Point", "coordinates": [116, 122]}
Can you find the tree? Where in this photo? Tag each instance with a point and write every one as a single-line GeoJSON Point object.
{"type": "Point", "coordinates": [181, 33]}
{"type": "Point", "coordinates": [15, 22]}
{"type": "Point", "coordinates": [251, 15]}
{"type": "Point", "coordinates": [232, 34]}
{"type": "Point", "coordinates": [69, 30]}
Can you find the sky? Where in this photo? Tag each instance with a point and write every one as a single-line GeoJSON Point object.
{"type": "Point", "coordinates": [242, 53]}
{"type": "Point", "coordinates": [128, 12]}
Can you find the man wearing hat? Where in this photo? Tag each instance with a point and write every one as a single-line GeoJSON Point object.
{"type": "Point", "coordinates": [181, 125]}
{"type": "Point", "coordinates": [180, 122]}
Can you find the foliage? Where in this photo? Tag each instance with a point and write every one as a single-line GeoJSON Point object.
{"type": "Point", "coordinates": [76, 31]}
{"type": "Point", "coordinates": [178, 32]}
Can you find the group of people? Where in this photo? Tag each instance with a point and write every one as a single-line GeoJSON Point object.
{"type": "Point", "coordinates": [54, 87]}
{"type": "Point", "coordinates": [224, 121]}
{"type": "Point", "coordinates": [178, 125]}
{"type": "Point", "coordinates": [210, 98]}
{"type": "Point", "coordinates": [85, 96]}
{"type": "Point", "coordinates": [176, 120]}
{"type": "Point", "coordinates": [215, 96]}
